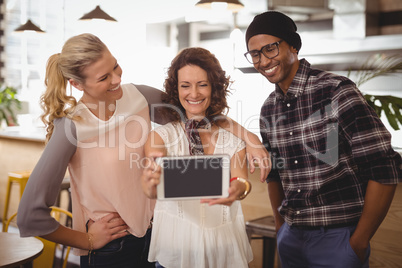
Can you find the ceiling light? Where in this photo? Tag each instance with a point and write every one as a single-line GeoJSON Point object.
{"type": "Point", "coordinates": [97, 13]}
{"type": "Point", "coordinates": [232, 5]}
{"type": "Point", "coordinates": [29, 26]}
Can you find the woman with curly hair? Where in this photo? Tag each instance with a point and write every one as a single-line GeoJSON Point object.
{"type": "Point", "coordinates": [198, 233]}
{"type": "Point", "coordinates": [215, 74]}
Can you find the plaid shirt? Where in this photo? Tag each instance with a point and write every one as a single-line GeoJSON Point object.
{"type": "Point", "coordinates": [326, 143]}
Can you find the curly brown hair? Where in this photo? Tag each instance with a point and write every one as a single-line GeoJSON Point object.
{"type": "Point", "coordinates": [216, 76]}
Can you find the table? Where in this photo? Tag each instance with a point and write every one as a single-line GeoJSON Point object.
{"type": "Point", "coordinates": [265, 228]}
{"type": "Point", "coordinates": [15, 250]}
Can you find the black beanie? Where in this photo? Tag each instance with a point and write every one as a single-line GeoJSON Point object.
{"type": "Point", "coordinates": [276, 24]}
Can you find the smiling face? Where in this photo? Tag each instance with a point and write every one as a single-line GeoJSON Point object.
{"type": "Point", "coordinates": [281, 69]}
{"type": "Point", "coordinates": [194, 90]}
{"type": "Point", "coordinates": [102, 81]}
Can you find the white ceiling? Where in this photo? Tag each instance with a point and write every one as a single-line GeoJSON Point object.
{"type": "Point", "coordinates": [154, 11]}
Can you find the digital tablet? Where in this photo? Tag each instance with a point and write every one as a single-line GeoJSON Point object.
{"type": "Point", "coordinates": [194, 177]}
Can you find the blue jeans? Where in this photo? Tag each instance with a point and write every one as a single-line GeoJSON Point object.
{"type": "Point", "coordinates": [323, 247]}
{"type": "Point", "coordinates": [128, 251]}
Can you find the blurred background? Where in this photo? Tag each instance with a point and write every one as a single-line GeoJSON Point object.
{"type": "Point", "coordinates": [337, 35]}
{"type": "Point", "coordinates": [355, 38]}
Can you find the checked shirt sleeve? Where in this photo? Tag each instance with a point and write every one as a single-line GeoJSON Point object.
{"type": "Point", "coordinates": [369, 140]}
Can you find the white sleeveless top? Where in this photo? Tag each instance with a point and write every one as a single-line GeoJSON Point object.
{"type": "Point", "coordinates": [190, 234]}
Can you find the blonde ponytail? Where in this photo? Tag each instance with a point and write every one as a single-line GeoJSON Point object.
{"type": "Point", "coordinates": [55, 102]}
{"type": "Point", "coordinates": [78, 52]}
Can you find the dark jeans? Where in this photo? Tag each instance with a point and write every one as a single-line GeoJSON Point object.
{"type": "Point", "coordinates": [158, 265]}
{"type": "Point", "coordinates": [125, 252]}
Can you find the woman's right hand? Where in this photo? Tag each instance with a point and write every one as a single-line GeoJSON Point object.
{"type": "Point", "coordinates": [106, 229]}
{"type": "Point", "coordinates": [151, 176]}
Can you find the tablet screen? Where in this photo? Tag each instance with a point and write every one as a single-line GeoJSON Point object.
{"type": "Point", "coordinates": [194, 177]}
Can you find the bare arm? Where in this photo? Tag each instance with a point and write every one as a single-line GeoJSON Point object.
{"type": "Point", "coordinates": [276, 196]}
{"type": "Point", "coordinates": [154, 147]}
{"type": "Point", "coordinates": [377, 201]}
{"type": "Point", "coordinates": [256, 152]}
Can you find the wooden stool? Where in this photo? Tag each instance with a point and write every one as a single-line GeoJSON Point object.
{"type": "Point", "coordinates": [65, 186]}
{"type": "Point", "coordinates": [14, 177]}
{"type": "Point", "coordinates": [265, 228]}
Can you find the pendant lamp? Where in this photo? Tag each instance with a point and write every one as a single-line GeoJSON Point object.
{"type": "Point", "coordinates": [232, 5]}
{"type": "Point", "coordinates": [97, 13]}
{"type": "Point", "coordinates": [29, 26]}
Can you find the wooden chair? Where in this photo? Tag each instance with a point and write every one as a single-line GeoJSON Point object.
{"type": "Point", "coordinates": [264, 228]}
{"type": "Point", "coordinates": [46, 259]}
{"type": "Point", "coordinates": [20, 178]}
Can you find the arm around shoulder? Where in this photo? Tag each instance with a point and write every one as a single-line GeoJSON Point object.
{"type": "Point", "coordinates": [155, 103]}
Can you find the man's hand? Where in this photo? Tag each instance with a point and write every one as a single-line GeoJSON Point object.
{"type": "Point", "coordinates": [258, 155]}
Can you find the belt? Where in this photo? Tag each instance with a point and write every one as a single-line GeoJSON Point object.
{"type": "Point", "coordinates": [331, 226]}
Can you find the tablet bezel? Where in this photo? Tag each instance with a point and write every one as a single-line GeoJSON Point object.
{"type": "Point", "coordinates": [225, 178]}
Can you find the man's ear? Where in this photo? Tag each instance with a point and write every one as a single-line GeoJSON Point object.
{"type": "Point", "coordinates": [294, 50]}
{"type": "Point", "coordinates": [76, 84]}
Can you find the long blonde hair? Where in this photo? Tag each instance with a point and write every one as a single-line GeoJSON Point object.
{"type": "Point", "coordinates": [78, 52]}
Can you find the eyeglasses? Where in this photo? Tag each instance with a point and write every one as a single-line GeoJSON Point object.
{"type": "Point", "coordinates": [270, 51]}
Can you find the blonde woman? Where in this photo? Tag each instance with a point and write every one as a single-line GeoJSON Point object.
{"type": "Point", "coordinates": [99, 139]}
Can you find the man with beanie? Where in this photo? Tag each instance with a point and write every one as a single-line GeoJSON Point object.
{"type": "Point", "coordinates": [339, 172]}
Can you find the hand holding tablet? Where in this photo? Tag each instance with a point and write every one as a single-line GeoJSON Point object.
{"type": "Point", "coordinates": [193, 177]}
